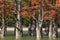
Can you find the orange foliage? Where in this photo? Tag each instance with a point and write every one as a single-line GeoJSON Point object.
{"type": "Point", "coordinates": [50, 15]}
{"type": "Point", "coordinates": [1, 3]}
{"type": "Point", "coordinates": [0, 14]}
{"type": "Point", "coordinates": [36, 2]}
{"type": "Point", "coordinates": [7, 6]}
{"type": "Point", "coordinates": [31, 8]}
{"type": "Point", "coordinates": [7, 14]}
{"type": "Point", "coordinates": [35, 6]}
{"type": "Point", "coordinates": [0, 11]}
{"type": "Point", "coordinates": [24, 13]}
{"type": "Point", "coordinates": [58, 3]}
{"type": "Point", "coordinates": [58, 18]}
{"type": "Point", "coordinates": [10, 7]}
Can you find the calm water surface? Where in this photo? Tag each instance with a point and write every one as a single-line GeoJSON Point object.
{"type": "Point", "coordinates": [10, 36]}
{"type": "Point", "coordinates": [26, 38]}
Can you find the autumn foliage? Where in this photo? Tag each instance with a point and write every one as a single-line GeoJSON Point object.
{"type": "Point", "coordinates": [58, 3]}
{"type": "Point", "coordinates": [48, 14]}
{"type": "Point", "coordinates": [35, 5]}
{"type": "Point", "coordinates": [1, 3]}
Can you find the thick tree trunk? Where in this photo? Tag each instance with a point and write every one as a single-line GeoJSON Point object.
{"type": "Point", "coordinates": [29, 30]}
{"type": "Point", "coordinates": [3, 28]}
{"type": "Point", "coordinates": [32, 27]}
{"type": "Point", "coordinates": [55, 31]}
{"type": "Point", "coordinates": [18, 22]}
{"type": "Point", "coordinates": [38, 32]}
{"type": "Point", "coordinates": [40, 21]}
{"type": "Point", "coordinates": [47, 28]}
{"type": "Point", "coordinates": [51, 29]}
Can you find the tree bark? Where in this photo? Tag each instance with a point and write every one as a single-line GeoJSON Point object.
{"type": "Point", "coordinates": [51, 29]}
{"type": "Point", "coordinates": [18, 21]}
{"type": "Point", "coordinates": [40, 21]}
{"type": "Point", "coordinates": [38, 32]}
{"type": "Point", "coordinates": [47, 28]}
{"type": "Point", "coordinates": [32, 27]}
{"type": "Point", "coordinates": [55, 31]}
{"type": "Point", "coordinates": [3, 28]}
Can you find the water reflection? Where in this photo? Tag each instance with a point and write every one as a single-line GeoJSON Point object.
{"type": "Point", "coordinates": [38, 39]}
{"type": "Point", "coordinates": [46, 38]}
{"type": "Point", "coordinates": [1, 38]}
{"type": "Point", "coordinates": [28, 38]}
{"type": "Point", "coordinates": [50, 38]}
{"type": "Point", "coordinates": [18, 38]}
{"type": "Point", "coordinates": [53, 39]}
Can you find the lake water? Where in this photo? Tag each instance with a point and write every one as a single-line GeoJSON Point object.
{"type": "Point", "coordinates": [10, 36]}
{"type": "Point", "coordinates": [26, 38]}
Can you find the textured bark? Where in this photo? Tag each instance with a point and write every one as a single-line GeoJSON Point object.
{"type": "Point", "coordinates": [37, 32]}
{"type": "Point", "coordinates": [47, 28]}
{"type": "Point", "coordinates": [18, 22]}
{"type": "Point", "coordinates": [29, 30]}
{"type": "Point", "coordinates": [32, 27]}
{"type": "Point", "coordinates": [3, 28]}
{"type": "Point", "coordinates": [55, 31]}
{"type": "Point", "coordinates": [51, 29]}
{"type": "Point", "coordinates": [40, 20]}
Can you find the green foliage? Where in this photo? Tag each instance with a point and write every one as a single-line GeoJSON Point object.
{"type": "Point", "coordinates": [0, 20]}
{"type": "Point", "coordinates": [53, 2]}
{"type": "Point", "coordinates": [25, 21]}
{"type": "Point", "coordinates": [10, 0]}
{"type": "Point", "coordinates": [25, 3]}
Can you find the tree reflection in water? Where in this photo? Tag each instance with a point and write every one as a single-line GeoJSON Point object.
{"type": "Point", "coordinates": [1, 38]}
{"type": "Point", "coordinates": [38, 39]}
{"type": "Point", "coordinates": [53, 39]}
{"type": "Point", "coordinates": [18, 38]}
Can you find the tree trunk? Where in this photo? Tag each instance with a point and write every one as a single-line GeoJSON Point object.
{"type": "Point", "coordinates": [3, 28]}
{"type": "Point", "coordinates": [55, 31]}
{"type": "Point", "coordinates": [18, 21]}
{"type": "Point", "coordinates": [29, 29]}
{"type": "Point", "coordinates": [32, 27]}
{"type": "Point", "coordinates": [51, 29]}
{"type": "Point", "coordinates": [39, 22]}
{"type": "Point", "coordinates": [47, 28]}
{"type": "Point", "coordinates": [37, 32]}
